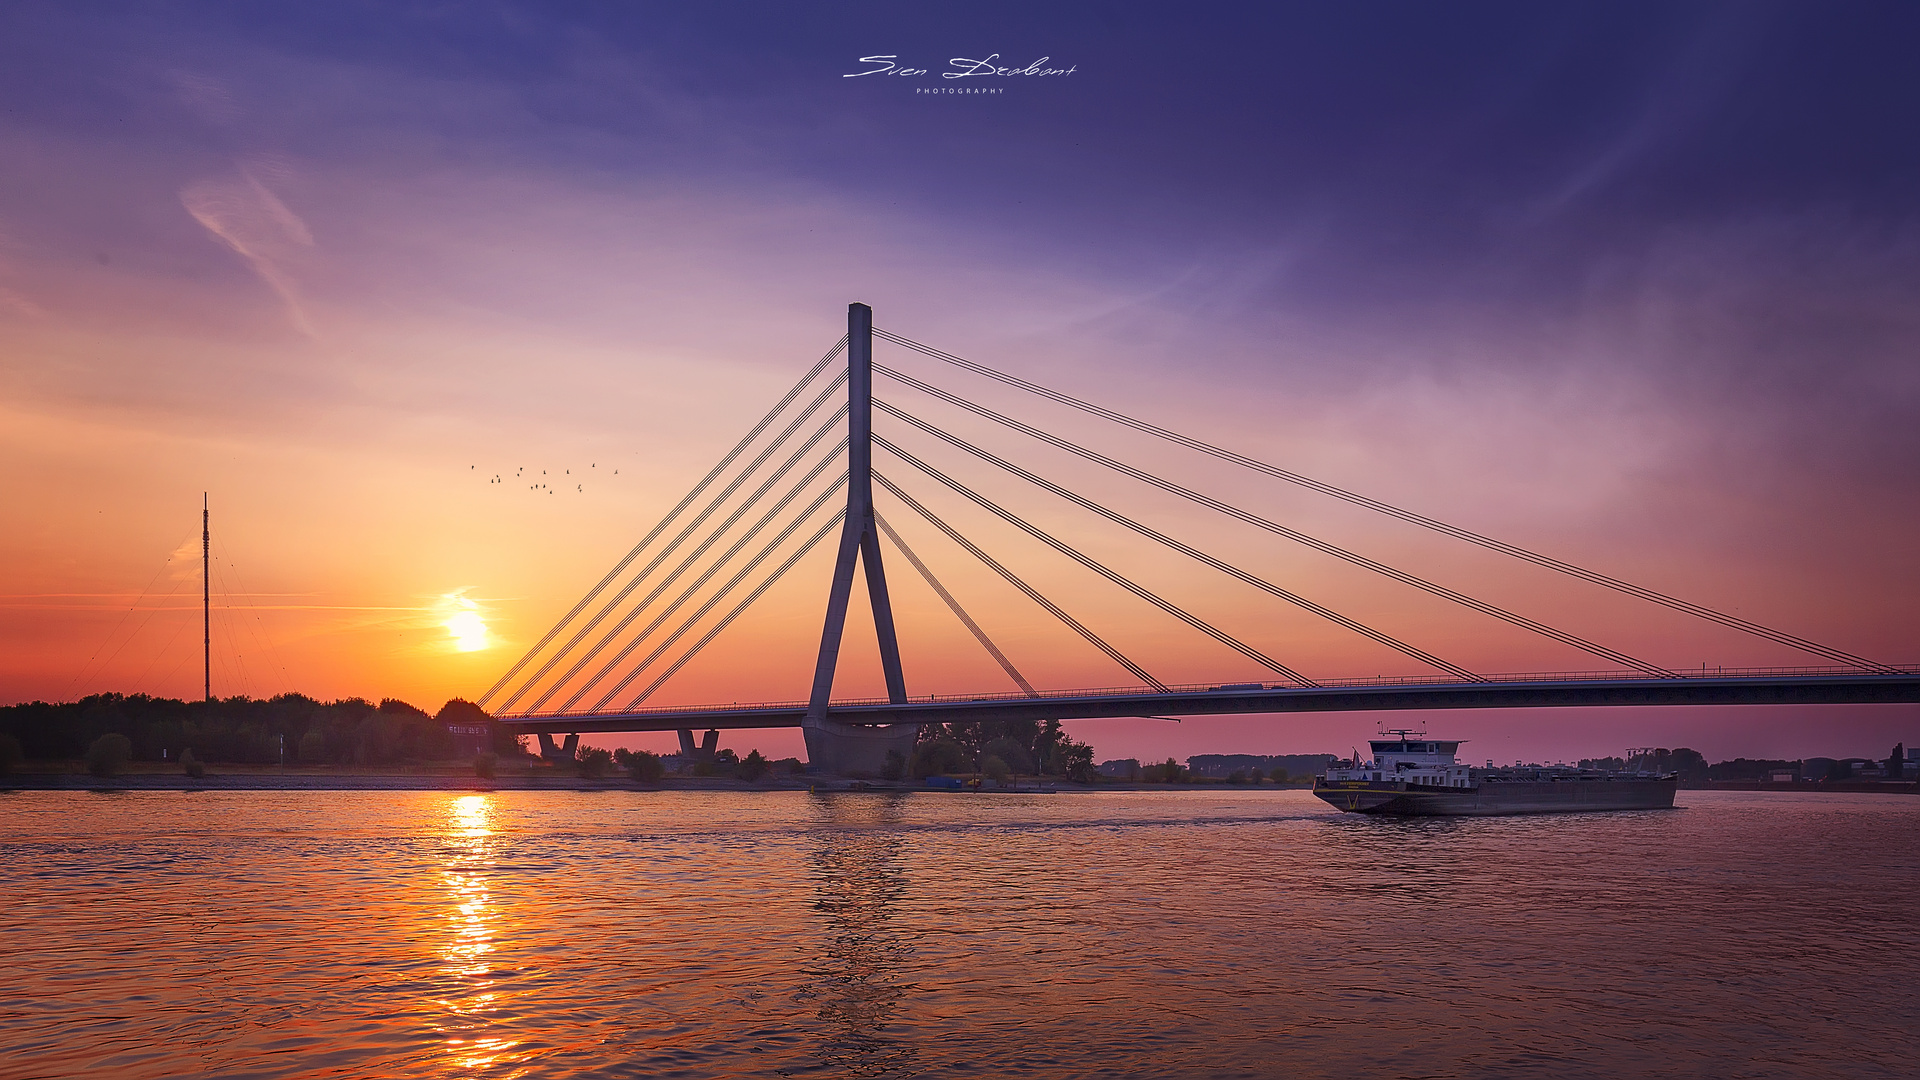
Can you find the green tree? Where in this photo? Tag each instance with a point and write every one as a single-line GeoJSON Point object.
{"type": "Point", "coordinates": [191, 765]}
{"type": "Point", "coordinates": [108, 754]}
{"type": "Point", "coordinates": [753, 767]}
{"type": "Point", "coordinates": [594, 762]}
{"type": "Point", "coordinates": [996, 770]}
{"type": "Point", "coordinates": [895, 767]}
{"type": "Point", "coordinates": [1010, 751]}
{"type": "Point", "coordinates": [1073, 760]}
{"type": "Point", "coordinates": [642, 766]}
{"type": "Point", "coordinates": [937, 758]}
{"type": "Point", "coordinates": [483, 765]}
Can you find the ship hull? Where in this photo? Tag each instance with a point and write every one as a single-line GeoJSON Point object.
{"type": "Point", "coordinates": [1493, 799]}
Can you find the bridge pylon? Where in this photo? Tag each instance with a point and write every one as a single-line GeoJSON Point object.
{"type": "Point", "coordinates": [832, 746]}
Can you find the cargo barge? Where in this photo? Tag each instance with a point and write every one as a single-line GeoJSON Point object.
{"type": "Point", "coordinates": [1410, 774]}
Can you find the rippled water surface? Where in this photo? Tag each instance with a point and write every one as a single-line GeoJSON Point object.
{"type": "Point", "coordinates": [569, 934]}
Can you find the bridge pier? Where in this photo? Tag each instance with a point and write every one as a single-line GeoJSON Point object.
{"type": "Point", "coordinates": [708, 748]}
{"type": "Point", "coordinates": [564, 752]}
{"type": "Point", "coordinates": [856, 749]}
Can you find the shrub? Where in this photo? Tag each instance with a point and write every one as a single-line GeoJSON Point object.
{"type": "Point", "coordinates": [895, 768]}
{"type": "Point", "coordinates": [996, 769]}
{"type": "Point", "coordinates": [483, 765]}
{"type": "Point", "coordinates": [1279, 776]}
{"type": "Point", "coordinates": [1256, 776]}
{"type": "Point", "coordinates": [594, 762]}
{"type": "Point", "coordinates": [108, 754]}
{"type": "Point", "coordinates": [792, 766]}
{"type": "Point", "coordinates": [190, 765]}
{"type": "Point", "coordinates": [10, 755]}
{"type": "Point", "coordinates": [644, 767]}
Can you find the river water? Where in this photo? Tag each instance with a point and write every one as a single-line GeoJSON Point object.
{"type": "Point", "coordinates": [1240, 933]}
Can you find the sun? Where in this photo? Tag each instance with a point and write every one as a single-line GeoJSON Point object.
{"type": "Point", "coordinates": [464, 624]}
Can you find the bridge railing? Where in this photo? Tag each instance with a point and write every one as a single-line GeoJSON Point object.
{"type": "Point", "coordinates": [1176, 690]}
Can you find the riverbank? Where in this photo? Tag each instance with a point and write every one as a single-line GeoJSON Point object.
{"type": "Point", "coordinates": [1855, 787]}
{"type": "Point", "coordinates": [65, 776]}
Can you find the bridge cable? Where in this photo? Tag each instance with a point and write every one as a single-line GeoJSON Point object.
{"type": "Point", "coordinates": [1104, 571]}
{"type": "Point", "coordinates": [799, 553]}
{"type": "Point", "coordinates": [1778, 637]}
{"type": "Point", "coordinates": [1110, 574]}
{"type": "Point", "coordinates": [707, 575]}
{"type": "Point", "coordinates": [713, 474]}
{"type": "Point", "coordinates": [1153, 534]}
{"type": "Point", "coordinates": [959, 612]}
{"type": "Point", "coordinates": [712, 538]}
{"type": "Point", "coordinates": [688, 593]}
{"type": "Point", "coordinates": [699, 519]}
{"type": "Point", "coordinates": [1251, 519]}
{"type": "Point", "coordinates": [720, 594]}
{"type": "Point", "coordinates": [1014, 579]}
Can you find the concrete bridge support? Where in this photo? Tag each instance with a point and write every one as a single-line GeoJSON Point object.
{"type": "Point", "coordinates": [856, 749]}
{"type": "Point", "coordinates": [563, 752]}
{"type": "Point", "coordinates": [832, 746]}
{"type": "Point", "coordinates": [709, 746]}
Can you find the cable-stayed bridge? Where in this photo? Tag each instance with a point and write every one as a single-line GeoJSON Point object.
{"type": "Point", "coordinates": [804, 475]}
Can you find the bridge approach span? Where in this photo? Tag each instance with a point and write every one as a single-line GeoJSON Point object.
{"type": "Point", "coordinates": [1376, 696]}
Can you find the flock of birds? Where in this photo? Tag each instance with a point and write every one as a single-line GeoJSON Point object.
{"type": "Point", "coordinates": [522, 474]}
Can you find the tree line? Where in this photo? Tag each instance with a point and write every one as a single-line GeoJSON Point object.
{"type": "Point", "coordinates": [999, 749]}
{"type": "Point", "coordinates": [243, 730]}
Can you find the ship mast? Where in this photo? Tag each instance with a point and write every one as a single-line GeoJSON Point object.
{"type": "Point", "coordinates": [206, 601]}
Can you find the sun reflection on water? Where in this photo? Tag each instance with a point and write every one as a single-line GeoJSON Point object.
{"type": "Point", "coordinates": [470, 1002]}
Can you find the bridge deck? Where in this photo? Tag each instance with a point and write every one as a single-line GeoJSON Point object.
{"type": "Point", "coordinates": [1747, 687]}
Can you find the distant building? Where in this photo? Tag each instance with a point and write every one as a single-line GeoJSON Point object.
{"type": "Point", "coordinates": [1782, 776]}
{"type": "Point", "coordinates": [1221, 766]}
{"type": "Point", "coordinates": [470, 739]}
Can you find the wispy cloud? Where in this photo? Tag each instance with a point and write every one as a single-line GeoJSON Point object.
{"type": "Point", "coordinates": [249, 218]}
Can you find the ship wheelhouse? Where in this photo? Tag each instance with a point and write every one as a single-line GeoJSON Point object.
{"type": "Point", "coordinates": [1407, 757]}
